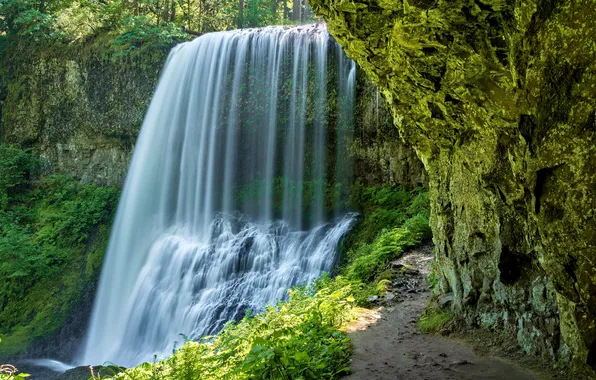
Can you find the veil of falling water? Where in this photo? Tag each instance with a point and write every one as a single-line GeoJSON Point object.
{"type": "Point", "coordinates": [226, 202]}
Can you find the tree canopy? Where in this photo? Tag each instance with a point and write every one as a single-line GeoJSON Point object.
{"type": "Point", "coordinates": [140, 20]}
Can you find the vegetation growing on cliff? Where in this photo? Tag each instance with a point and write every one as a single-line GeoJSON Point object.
{"type": "Point", "coordinates": [10, 372]}
{"type": "Point", "coordinates": [394, 220]}
{"type": "Point", "coordinates": [53, 233]}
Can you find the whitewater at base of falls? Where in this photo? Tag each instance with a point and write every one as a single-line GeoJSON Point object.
{"type": "Point", "coordinates": [192, 287]}
{"type": "Point", "coordinates": [233, 194]}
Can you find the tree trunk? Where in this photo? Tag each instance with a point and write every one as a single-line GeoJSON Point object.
{"type": "Point", "coordinates": [286, 16]}
{"type": "Point", "coordinates": [200, 16]}
{"type": "Point", "coordinates": [166, 11]}
{"type": "Point", "coordinates": [274, 9]}
{"type": "Point", "coordinates": [297, 12]}
{"type": "Point", "coordinates": [240, 14]}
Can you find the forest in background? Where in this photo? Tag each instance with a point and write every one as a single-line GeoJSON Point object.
{"type": "Point", "coordinates": [130, 23]}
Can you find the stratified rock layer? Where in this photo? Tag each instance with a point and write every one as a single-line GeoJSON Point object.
{"type": "Point", "coordinates": [80, 112]}
{"type": "Point", "coordinates": [498, 99]}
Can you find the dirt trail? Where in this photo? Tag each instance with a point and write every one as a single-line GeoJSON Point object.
{"type": "Point", "coordinates": [393, 347]}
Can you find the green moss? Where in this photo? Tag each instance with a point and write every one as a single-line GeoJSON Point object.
{"type": "Point", "coordinates": [434, 322]}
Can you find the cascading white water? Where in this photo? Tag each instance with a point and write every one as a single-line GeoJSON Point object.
{"type": "Point", "coordinates": [224, 207]}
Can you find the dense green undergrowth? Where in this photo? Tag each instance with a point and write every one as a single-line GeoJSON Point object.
{"type": "Point", "coordinates": [301, 338]}
{"type": "Point", "coordinates": [53, 233]}
{"type": "Point", "coordinates": [394, 220]}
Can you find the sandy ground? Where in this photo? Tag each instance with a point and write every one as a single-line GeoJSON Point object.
{"type": "Point", "coordinates": [392, 347]}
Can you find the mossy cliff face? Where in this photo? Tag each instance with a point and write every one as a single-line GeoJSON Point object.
{"type": "Point", "coordinates": [80, 111]}
{"type": "Point", "coordinates": [379, 154]}
{"type": "Point", "coordinates": [498, 99]}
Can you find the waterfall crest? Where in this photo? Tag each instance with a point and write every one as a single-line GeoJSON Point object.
{"type": "Point", "coordinates": [227, 200]}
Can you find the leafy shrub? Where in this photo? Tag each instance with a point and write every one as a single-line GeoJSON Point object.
{"type": "Point", "coordinates": [71, 211]}
{"type": "Point", "coordinates": [395, 220]}
{"type": "Point", "coordinates": [140, 34]}
{"type": "Point", "coordinates": [371, 258]}
{"type": "Point", "coordinates": [16, 166]}
{"type": "Point", "coordinates": [385, 208]}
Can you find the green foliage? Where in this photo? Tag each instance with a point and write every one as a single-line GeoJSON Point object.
{"type": "Point", "coordinates": [296, 339]}
{"type": "Point", "coordinates": [394, 221]}
{"type": "Point", "coordinates": [16, 166]}
{"type": "Point", "coordinates": [52, 232]}
{"type": "Point", "coordinates": [434, 321]}
{"type": "Point", "coordinates": [32, 19]}
{"type": "Point", "coordinates": [69, 212]}
{"type": "Point", "coordinates": [369, 259]}
{"type": "Point", "coordinates": [140, 33]}
{"type": "Point", "coordinates": [258, 13]}
{"type": "Point", "coordinates": [386, 208]}
{"type": "Point", "coordinates": [133, 25]}
{"type": "Point", "coordinates": [10, 372]}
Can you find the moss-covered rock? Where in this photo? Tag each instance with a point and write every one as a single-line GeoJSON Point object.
{"type": "Point", "coordinates": [79, 108]}
{"type": "Point", "coordinates": [498, 99]}
{"type": "Point", "coordinates": [380, 156]}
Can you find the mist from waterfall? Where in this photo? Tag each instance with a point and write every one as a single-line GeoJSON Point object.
{"type": "Point", "coordinates": [234, 193]}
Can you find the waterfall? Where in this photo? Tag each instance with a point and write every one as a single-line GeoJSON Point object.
{"type": "Point", "coordinates": [227, 201]}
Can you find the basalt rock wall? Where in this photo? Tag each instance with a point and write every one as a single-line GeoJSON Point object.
{"type": "Point", "coordinates": [380, 156]}
{"type": "Point", "coordinates": [79, 111]}
{"type": "Point", "coordinates": [498, 99]}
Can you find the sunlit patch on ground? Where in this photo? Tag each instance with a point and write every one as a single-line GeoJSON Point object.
{"type": "Point", "coordinates": [363, 318]}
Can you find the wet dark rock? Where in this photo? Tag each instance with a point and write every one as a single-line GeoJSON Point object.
{"type": "Point", "coordinates": [84, 373]}
{"type": "Point", "coordinates": [389, 297]}
{"type": "Point", "coordinates": [461, 362]}
{"type": "Point", "coordinates": [445, 301]}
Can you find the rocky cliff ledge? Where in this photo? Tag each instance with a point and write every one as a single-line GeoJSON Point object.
{"type": "Point", "coordinates": [498, 99]}
{"type": "Point", "coordinates": [80, 112]}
